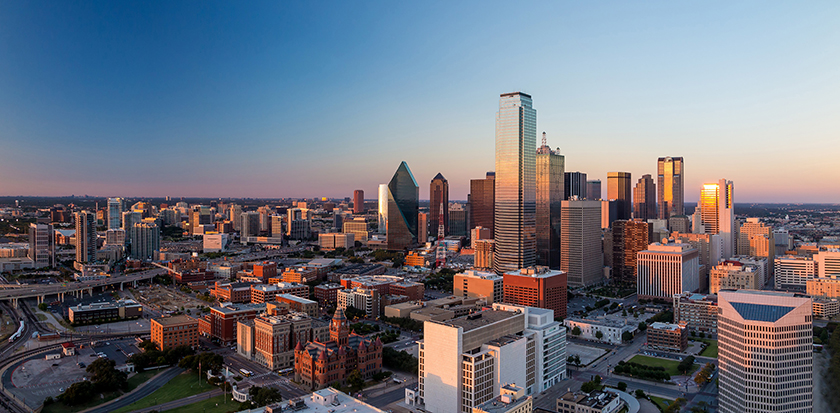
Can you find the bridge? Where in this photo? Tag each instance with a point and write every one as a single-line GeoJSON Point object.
{"type": "Point", "coordinates": [78, 289]}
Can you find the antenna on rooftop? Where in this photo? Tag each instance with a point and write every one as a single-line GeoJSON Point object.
{"type": "Point", "coordinates": [544, 141]}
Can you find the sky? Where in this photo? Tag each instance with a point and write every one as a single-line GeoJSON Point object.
{"type": "Point", "coordinates": [311, 99]}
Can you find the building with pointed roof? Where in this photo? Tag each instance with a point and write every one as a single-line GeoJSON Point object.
{"type": "Point", "coordinates": [403, 205]}
{"type": "Point", "coordinates": [318, 364]}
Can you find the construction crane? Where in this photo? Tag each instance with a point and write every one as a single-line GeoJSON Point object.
{"type": "Point", "coordinates": [440, 251]}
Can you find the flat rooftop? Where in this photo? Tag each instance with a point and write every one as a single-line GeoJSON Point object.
{"type": "Point", "coordinates": [535, 272]}
{"type": "Point", "coordinates": [479, 319]}
{"type": "Point", "coordinates": [175, 320]}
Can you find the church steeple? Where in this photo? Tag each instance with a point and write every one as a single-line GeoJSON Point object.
{"type": "Point", "coordinates": [339, 328]}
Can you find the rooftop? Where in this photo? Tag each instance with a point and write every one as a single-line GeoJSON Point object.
{"type": "Point", "coordinates": [665, 326]}
{"type": "Point", "coordinates": [229, 308]}
{"type": "Point", "coordinates": [175, 320]}
{"type": "Point", "coordinates": [480, 319]}
{"type": "Point", "coordinates": [295, 298]}
{"type": "Point", "coordinates": [535, 272]}
{"type": "Point", "coordinates": [498, 404]}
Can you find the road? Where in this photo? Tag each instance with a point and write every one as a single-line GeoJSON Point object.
{"type": "Point", "coordinates": [190, 400]}
{"type": "Point", "coordinates": [139, 393]}
{"type": "Point", "coordinates": [39, 290]}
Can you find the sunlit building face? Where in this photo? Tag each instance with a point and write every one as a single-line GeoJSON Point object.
{"type": "Point", "coordinates": [669, 187]}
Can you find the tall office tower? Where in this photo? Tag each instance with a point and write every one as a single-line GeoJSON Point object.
{"type": "Point", "coordinates": [298, 225]}
{"type": "Point", "coordinates": [265, 217]}
{"type": "Point", "coordinates": [697, 225]}
{"type": "Point", "coordinates": [644, 199]}
{"type": "Point", "coordinates": [458, 221]}
{"type": "Point", "coordinates": [537, 287]}
{"type": "Point", "coordinates": [482, 202]}
{"type": "Point", "coordinates": [669, 186]}
{"type": "Point", "coordinates": [200, 215]}
{"type": "Point", "coordinates": [515, 207]}
{"type": "Point", "coordinates": [115, 209]}
{"type": "Point", "coordinates": [358, 201]}
{"type": "Point", "coordinates": [145, 240]}
{"type": "Point", "coordinates": [580, 242]}
{"type": "Point", "coordinates": [277, 225]}
{"type": "Point", "coordinates": [574, 185]}
{"type": "Point", "coordinates": [550, 186]}
{"type": "Point", "coordinates": [765, 352]}
{"type": "Point", "coordinates": [618, 189]}
{"type": "Point", "coordinates": [628, 239]}
{"type": "Point", "coordinates": [663, 270]}
{"type": "Point", "coordinates": [422, 227]}
{"type": "Point", "coordinates": [85, 237]}
{"type": "Point", "coordinates": [757, 240]}
{"type": "Point", "coordinates": [129, 218]}
{"type": "Point", "coordinates": [249, 224]}
{"type": "Point", "coordinates": [233, 214]}
{"type": "Point", "coordinates": [716, 209]}
{"type": "Point", "coordinates": [438, 195]}
{"type": "Point", "coordinates": [383, 209]}
{"type": "Point", "coordinates": [403, 204]}
{"type": "Point", "coordinates": [115, 237]}
{"type": "Point", "coordinates": [42, 245]}
{"type": "Point", "coordinates": [593, 189]}
{"type": "Point", "coordinates": [483, 259]}
{"type": "Point", "coordinates": [711, 252]}
{"type": "Point", "coordinates": [465, 361]}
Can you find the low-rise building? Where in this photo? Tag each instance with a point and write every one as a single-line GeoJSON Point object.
{"type": "Point", "coordinates": [327, 294]}
{"type": "Point", "coordinates": [472, 283]}
{"type": "Point", "coordinates": [238, 292]}
{"type": "Point", "coordinates": [667, 336]}
{"type": "Point", "coordinates": [328, 400]}
{"type": "Point", "coordinates": [511, 400]}
{"type": "Point", "coordinates": [733, 275]}
{"type": "Point", "coordinates": [365, 299]}
{"type": "Point", "coordinates": [173, 331]}
{"type": "Point", "coordinates": [334, 240]}
{"type": "Point", "coordinates": [594, 402]}
{"type": "Point", "coordinates": [263, 293]}
{"type": "Point", "coordinates": [102, 312]}
{"type": "Point", "coordinates": [825, 308]}
{"type": "Point", "coordinates": [412, 290]}
{"type": "Point", "coordinates": [300, 274]}
{"type": "Point", "coordinates": [220, 323]}
{"type": "Point", "coordinates": [610, 330]}
{"type": "Point", "coordinates": [824, 287]}
{"type": "Point", "coordinates": [298, 304]}
{"type": "Point", "coordinates": [794, 271]}
{"type": "Point", "coordinates": [698, 311]}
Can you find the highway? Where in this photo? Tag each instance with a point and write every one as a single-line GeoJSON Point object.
{"type": "Point", "coordinates": [42, 290]}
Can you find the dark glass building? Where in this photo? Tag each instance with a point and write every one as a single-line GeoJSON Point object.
{"type": "Point", "coordinates": [575, 185]}
{"type": "Point", "coordinates": [482, 202]}
{"type": "Point", "coordinates": [619, 189]}
{"type": "Point", "coordinates": [438, 195]}
{"type": "Point", "coordinates": [403, 201]}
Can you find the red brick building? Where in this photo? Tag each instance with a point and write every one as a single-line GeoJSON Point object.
{"type": "Point", "coordinates": [413, 290]}
{"type": "Point", "coordinates": [232, 292]}
{"type": "Point", "coordinates": [265, 270]}
{"type": "Point", "coordinates": [221, 322]}
{"type": "Point", "coordinates": [327, 294]}
{"type": "Point", "coordinates": [263, 293]}
{"type": "Point", "coordinates": [537, 287]}
{"type": "Point", "coordinates": [169, 332]}
{"type": "Point", "coordinates": [319, 364]}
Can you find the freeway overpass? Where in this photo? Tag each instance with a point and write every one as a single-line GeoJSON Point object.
{"type": "Point", "coordinates": [41, 291]}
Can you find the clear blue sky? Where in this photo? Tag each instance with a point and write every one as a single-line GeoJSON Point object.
{"type": "Point", "coordinates": [305, 99]}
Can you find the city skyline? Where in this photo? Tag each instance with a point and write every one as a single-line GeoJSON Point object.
{"type": "Point", "coordinates": [134, 87]}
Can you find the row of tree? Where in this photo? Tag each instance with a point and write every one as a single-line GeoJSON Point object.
{"type": "Point", "coordinates": [641, 371]}
{"type": "Point", "coordinates": [152, 357]}
{"type": "Point", "coordinates": [832, 375]}
{"type": "Point", "coordinates": [399, 360]}
{"type": "Point", "coordinates": [104, 378]}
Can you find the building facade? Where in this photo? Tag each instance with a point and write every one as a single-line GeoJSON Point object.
{"type": "Point", "coordinates": [581, 256]}
{"type": "Point", "coordinates": [698, 311]}
{"type": "Point", "coordinates": [628, 239]}
{"type": "Point", "coordinates": [667, 269]}
{"type": "Point", "coordinates": [438, 201]}
{"type": "Point", "coordinates": [619, 186]}
{"type": "Point", "coordinates": [717, 211]}
{"type": "Point", "coordinates": [669, 187]}
{"type": "Point", "coordinates": [472, 284]}
{"type": "Point", "coordinates": [174, 331]}
{"type": "Point", "coordinates": [358, 201]}
{"type": "Point", "coordinates": [482, 202]}
{"type": "Point", "coordinates": [668, 336]}
{"type": "Point", "coordinates": [644, 199]}
{"type": "Point", "coordinates": [85, 237]}
{"type": "Point", "coordinates": [403, 198]}
{"type": "Point", "coordinates": [538, 287]}
{"type": "Point", "coordinates": [551, 166]}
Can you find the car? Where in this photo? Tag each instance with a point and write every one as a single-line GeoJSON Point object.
{"type": "Point", "coordinates": [82, 365]}
{"type": "Point", "coordinates": [61, 389]}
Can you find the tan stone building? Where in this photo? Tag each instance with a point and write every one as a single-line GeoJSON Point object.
{"type": "Point", "coordinates": [472, 284]}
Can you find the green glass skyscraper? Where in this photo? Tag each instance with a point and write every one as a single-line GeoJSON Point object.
{"type": "Point", "coordinates": [515, 207]}
{"type": "Point", "coordinates": [403, 201]}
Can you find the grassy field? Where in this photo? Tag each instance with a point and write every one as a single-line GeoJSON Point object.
{"type": "Point", "coordinates": [212, 405]}
{"type": "Point", "coordinates": [669, 365]}
{"type": "Point", "coordinates": [181, 386]}
{"type": "Point", "coordinates": [140, 378]}
{"type": "Point", "coordinates": [711, 350]}
{"type": "Point", "coordinates": [662, 403]}
{"type": "Point", "coordinates": [133, 383]}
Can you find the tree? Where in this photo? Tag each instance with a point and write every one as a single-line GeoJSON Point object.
{"type": "Point", "coordinates": [353, 313]}
{"type": "Point", "coordinates": [642, 326]}
{"type": "Point", "coordinates": [589, 387]}
{"type": "Point", "coordinates": [685, 364]}
{"type": "Point", "coordinates": [43, 306]}
{"type": "Point", "coordinates": [77, 393]}
{"type": "Point", "coordinates": [640, 394]}
{"type": "Point", "coordinates": [147, 345]}
{"type": "Point", "coordinates": [626, 336]}
{"type": "Point", "coordinates": [622, 386]}
{"type": "Point", "coordinates": [624, 313]}
{"type": "Point", "coordinates": [599, 335]}
{"type": "Point", "coordinates": [577, 359]}
{"type": "Point", "coordinates": [576, 331]}
{"type": "Point", "coordinates": [263, 396]}
{"type": "Point", "coordinates": [355, 380]}
{"type": "Point", "coordinates": [105, 376]}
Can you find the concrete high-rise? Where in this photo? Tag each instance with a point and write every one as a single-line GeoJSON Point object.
{"type": "Point", "coordinates": [403, 204]}
{"type": "Point", "coordinates": [249, 225]}
{"type": "Point", "coordinates": [580, 242]}
{"type": "Point", "coordinates": [593, 189]}
{"type": "Point", "coordinates": [115, 210]}
{"type": "Point", "coordinates": [233, 214]}
{"type": "Point", "coordinates": [383, 209]}
{"type": "Point", "coordinates": [438, 201]}
{"type": "Point", "coordinates": [663, 270]}
{"type": "Point", "coordinates": [515, 206]}
{"type": "Point", "coordinates": [574, 185]}
{"type": "Point", "coordinates": [358, 201]}
{"type": "Point", "coordinates": [422, 227]}
{"type": "Point", "coordinates": [717, 211]}
{"type": "Point", "coordinates": [85, 237]}
{"type": "Point", "coordinates": [644, 199]}
{"type": "Point", "coordinates": [42, 245]}
{"type": "Point", "coordinates": [550, 187]}
{"type": "Point", "coordinates": [765, 352]}
{"type": "Point", "coordinates": [144, 238]}
{"type": "Point", "coordinates": [757, 240]}
{"type": "Point", "coordinates": [482, 202]}
{"type": "Point", "coordinates": [670, 187]}
{"type": "Point", "coordinates": [618, 189]}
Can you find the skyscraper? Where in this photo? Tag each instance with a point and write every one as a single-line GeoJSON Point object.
{"type": "Point", "coordinates": [482, 202]}
{"type": "Point", "coordinates": [575, 184]}
{"type": "Point", "coordinates": [765, 353]}
{"type": "Point", "coordinates": [115, 209]}
{"type": "Point", "coordinates": [550, 186]}
{"type": "Point", "coordinates": [628, 239]}
{"type": "Point", "coordinates": [593, 189]}
{"type": "Point", "coordinates": [438, 196]}
{"type": "Point", "coordinates": [249, 224]}
{"type": "Point", "coordinates": [383, 208]}
{"type": "Point", "coordinates": [145, 239]}
{"type": "Point", "coordinates": [618, 189]}
{"type": "Point", "coordinates": [403, 203]}
{"type": "Point", "coordinates": [42, 245]}
{"type": "Point", "coordinates": [85, 237]}
{"type": "Point", "coordinates": [358, 201]}
{"type": "Point", "coordinates": [422, 227]}
{"type": "Point", "coordinates": [644, 199]}
{"type": "Point", "coordinates": [663, 270]}
{"type": "Point", "coordinates": [515, 206]}
{"type": "Point", "coordinates": [669, 186]}
{"type": "Point", "coordinates": [580, 242]}
{"type": "Point", "coordinates": [716, 210]}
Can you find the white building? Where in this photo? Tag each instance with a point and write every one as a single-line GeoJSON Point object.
{"type": "Point", "coordinates": [361, 298]}
{"type": "Point", "coordinates": [828, 263]}
{"type": "Point", "coordinates": [611, 330]}
{"type": "Point", "coordinates": [215, 242]}
{"type": "Point", "coordinates": [666, 269]}
{"type": "Point", "coordinates": [765, 352]}
{"type": "Point", "coordinates": [794, 271]}
{"type": "Point", "coordinates": [550, 337]}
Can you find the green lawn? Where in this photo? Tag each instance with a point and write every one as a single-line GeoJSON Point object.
{"type": "Point", "coordinates": [669, 365]}
{"type": "Point", "coordinates": [711, 350]}
{"type": "Point", "coordinates": [133, 383]}
{"type": "Point", "coordinates": [184, 385]}
{"type": "Point", "coordinates": [662, 403]}
{"type": "Point", "coordinates": [140, 378]}
{"type": "Point", "coordinates": [209, 406]}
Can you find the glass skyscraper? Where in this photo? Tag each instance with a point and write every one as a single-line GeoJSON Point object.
{"type": "Point", "coordinates": [403, 205]}
{"type": "Point", "coordinates": [515, 206]}
{"type": "Point", "coordinates": [115, 210]}
{"type": "Point", "coordinates": [550, 187]}
{"type": "Point", "coordinates": [669, 186]}
{"type": "Point", "coordinates": [383, 208]}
